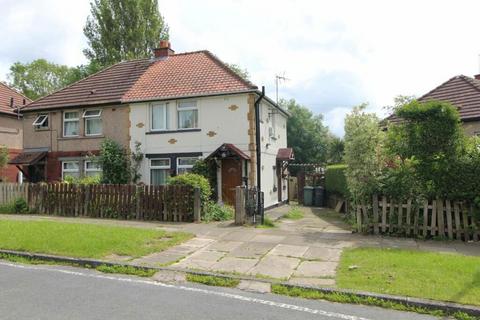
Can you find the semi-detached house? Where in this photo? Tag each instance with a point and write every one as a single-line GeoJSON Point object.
{"type": "Point", "coordinates": [179, 107]}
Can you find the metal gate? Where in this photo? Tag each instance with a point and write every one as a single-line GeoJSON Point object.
{"type": "Point", "coordinates": [254, 205]}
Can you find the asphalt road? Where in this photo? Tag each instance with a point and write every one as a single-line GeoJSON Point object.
{"type": "Point", "coordinates": [54, 292]}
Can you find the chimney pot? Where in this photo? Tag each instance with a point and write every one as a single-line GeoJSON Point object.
{"type": "Point", "coordinates": [163, 49]}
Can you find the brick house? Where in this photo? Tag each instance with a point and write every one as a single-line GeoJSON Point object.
{"type": "Point", "coordinates": [11, 134]}
{"type": "Point", "coordinates": [179, 107]}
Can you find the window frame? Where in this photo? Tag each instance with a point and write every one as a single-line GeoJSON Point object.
{"type": "Point", "coordinates": [185, 166]}
{"type": "Point", "coordinates": [39, 125]}
{"type": "Point", "coordinates": [165, 167]}
{"type": "Point", "coordinates": [71, 120]}
{"type": "Point", "coordinates": [180, 109]}
{"type": "Point", "coordinates": [86, 170]}
{"type": "Point", "coordinates": [70, 170]}
{"type": "Point", "coordinates": [86, 118]}
{"type": "Point", "coordinates": [165, 116]}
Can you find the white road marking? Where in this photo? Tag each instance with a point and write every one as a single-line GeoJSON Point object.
{"type": "Point", "coordinates": [198, 290]}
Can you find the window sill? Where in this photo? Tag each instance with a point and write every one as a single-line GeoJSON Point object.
{"type": "Point", "coordinates": [174, 131]}
{"type": "Point", "coordinates": [82, 137]}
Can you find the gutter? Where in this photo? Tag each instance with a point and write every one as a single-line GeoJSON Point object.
{"type": "Point", "coordinates": [259, 152]}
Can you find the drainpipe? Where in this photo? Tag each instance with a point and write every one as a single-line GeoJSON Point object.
{"type": "Point", "coordinates": [259, 151]}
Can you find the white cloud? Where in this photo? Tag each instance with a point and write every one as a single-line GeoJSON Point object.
{"type": "Point", "coordinates": [337, 53]}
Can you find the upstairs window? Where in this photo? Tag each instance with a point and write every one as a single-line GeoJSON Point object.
{"type": "Point", "coordinates": [185, 165]}
{"type": "Point", "coordinates": [159, 171]}
{"type": "Point", "coordinates": [187, 115]}
{"type": "Point", "coordinates": [41, 122]}
{"type": "Point", "coordinates": [71, 124]}
{"type": "Point", "coordinates": [93, 122]}
{"type": "Point", "coordinates": [159, 116]}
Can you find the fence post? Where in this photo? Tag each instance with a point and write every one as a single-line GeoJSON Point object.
{"type": "Point", "coordinates": [138, 195]}
{"type": "Point", "coordinates": [197, 205]}
{"type": "Point", "coordinates": [240, 205]}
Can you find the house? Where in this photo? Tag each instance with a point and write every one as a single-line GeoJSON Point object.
{"type": "Point", "coordinates": [464, 93]}
{"type": "Point", "coordinates": [11, 128]}
{"type": "Point", "coordinates": [178, 107]}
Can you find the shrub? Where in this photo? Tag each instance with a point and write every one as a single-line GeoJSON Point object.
{"type": "Point", "coordinates": [115, 163]}
{"type": "Point", "coordinates": [335, 180]}
{"type": "Point", "coordinates": [215, 212]}
{"type": "Point", "coordinates": [196, 181]}
{"type": "Point", "coordinates": [208, 169]}
{"type": "Point", "coordinates": [19, 205]}
{"type": "Point", "coordinates": [87, 180]}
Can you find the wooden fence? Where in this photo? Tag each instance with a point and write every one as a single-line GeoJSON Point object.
{"type": "Point", "coordinates": [161, 203]}
{"type": "Point", "coordinates": [430, 219]}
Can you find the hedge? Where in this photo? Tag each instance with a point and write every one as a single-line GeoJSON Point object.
{"type": "Point", "coordinates": [335, 181]}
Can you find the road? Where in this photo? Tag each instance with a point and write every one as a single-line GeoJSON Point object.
{"type": "Point", "coordinates": [55, 292]}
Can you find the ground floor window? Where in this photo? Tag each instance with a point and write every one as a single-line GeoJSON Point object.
{"type": "Point", "coordinates": [70, 169]}
{"type": "Point", "coordinates": [92, 169]}
{"type": "Point", "coordinates": [159, 171]}
{"type": "Point", "coordinates": [185, 165]}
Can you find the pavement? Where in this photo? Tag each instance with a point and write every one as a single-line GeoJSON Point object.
{"type": "Point", "coordinates": [53, 292]}
{"type": "Point", "coordinates": [304, 252]}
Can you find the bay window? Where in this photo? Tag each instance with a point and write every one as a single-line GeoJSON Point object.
{"type": "Point", "coordinates": [187, 115]}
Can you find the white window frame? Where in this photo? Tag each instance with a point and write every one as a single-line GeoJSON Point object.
{"type": "Point", "coordinates": [91, 117]}
{"type": "Point", "coordinates": [70, 170]}
{"type": "Point", "coordinates": [41, 124]}
{"type": "Point", "coordinates": [165, 116]}
{"type": "Point", "coordinates": [71, 120]}
{"type": "Point", "coordinates": [185, 166]}
{"type": "Point", "coordinates": [85, 169]}
{"type": "Point", "coordinates": [165, 167]}
{"type": "Point", "coordinates": [179, 109]}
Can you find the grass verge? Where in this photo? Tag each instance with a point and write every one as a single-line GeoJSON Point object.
{"type": "Point", "coordinates": [438, 276]}
{"type": "Point", "coordinates": [126, 270]}
{"type": "Point", "coordinates": [353, 299]}
{"type": "Point", "coordinates": [213, 280]}
{"type": "Point", "coordinates": [294, 214]}
{"type": "Point", "coordinates": [85, 240]}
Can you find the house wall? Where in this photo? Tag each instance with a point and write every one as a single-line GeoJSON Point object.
{"type": "Point", "coordinates": [472, 128]}
{"type": "Point", "coordinates": [221, 119]}
{"type": "Point", "coordinates": [115, 124]}
{"type": "Point", "coordinates": [11, 136]}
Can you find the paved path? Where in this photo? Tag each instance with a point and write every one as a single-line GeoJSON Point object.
{"type": "Point", "coordinates": [47, 292]}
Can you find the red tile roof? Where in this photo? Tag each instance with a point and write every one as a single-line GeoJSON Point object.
{"type": "Point", "coordinates": [178, 75]}
{"type": "Point", "coordinates": [6, 94]}
{"type": "Point", "coordinates": [228, 150]}
{"type": "Point", "coordinates": [285, 154]}
{"type": "Point", "coordinates": [461, 91]}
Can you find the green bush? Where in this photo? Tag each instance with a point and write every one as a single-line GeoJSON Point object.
{"type": "Point", "coordinates": [215, 212]}
{"type": "Point", "coordinates": [19, 205]}
{"type": "Point", "coordinates": [335, 180]}
{"type": "Point", "coordinates": [88, 180]}
{"type": "Point", "coordinates": [115, 163]}
{"type": "Point", "coordinates": [193, 180]}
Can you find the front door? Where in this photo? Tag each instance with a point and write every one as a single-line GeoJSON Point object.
{"type": "Point", "coordinates": [231, 178]}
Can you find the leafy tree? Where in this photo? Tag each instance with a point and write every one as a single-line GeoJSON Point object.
{"type": "Point", "coordinates": [41, 77]}
{"type": "Point", "coordinates": [119, 30]}
{"type": "Point", "coordinates": [3, 157]}
{"type": "Point", "coordinates": [115, 163]}
{"type": "Point", "coordinates": [306, 133]}
{"type": "Point", "coordinates": [336, 149]}
{"type": "Point", "coordinates": [242, 72]}
{"type": "Point", "coordinates": [363, 153]}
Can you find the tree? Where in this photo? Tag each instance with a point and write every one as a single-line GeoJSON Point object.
{"type": "Point", "coordinates": [336, 149]}
{"type": "Point", "coordinates": [306, 133]}
{"type": "Point", "coordinates": [3, 157]}
{"type": "Point", "coordinates": [115, 163]}
{"type": "Point", "coordinates": [119, 30]}
{"type": "Point", "coordinates": [40, 77]}
{"type": "Point", "coordinates": [242, 72]}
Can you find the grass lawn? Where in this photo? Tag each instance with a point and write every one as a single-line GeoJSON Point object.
{"type": "Point", "coordinates": [448, 277]}
{"type": "Point", "coordinates": [84, 240]}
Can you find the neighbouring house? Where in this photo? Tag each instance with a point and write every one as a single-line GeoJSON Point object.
{"type": "Point", "coordinates": [180, 108]}
{"type": "Point", "coordinates": [464, 93]}
{"type": "Point", "coordinates": [11, 134]}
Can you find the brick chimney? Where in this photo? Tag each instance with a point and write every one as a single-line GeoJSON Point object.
{"type": "Point", "coordinates": [477, 76]}
{"type": "Point", "coordinates": [163, 49]}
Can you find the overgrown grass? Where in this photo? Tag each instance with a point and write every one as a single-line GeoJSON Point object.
{"type": "Point", "coordinates": [84, 240]}
{"type": "Point", "coordinates": [295, 213]}
{"type": "Point", "coordinates": [213, 280]}
{"type": "Point", "coordinates": [438, 276]}
{"type": "Point", "coordinates": [267, 223]}
{"type": "Point", "coordinates": [126, 270]}
{"type": "Point", "coordinates": [353, 299]}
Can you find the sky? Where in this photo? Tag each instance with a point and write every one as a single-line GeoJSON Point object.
{"type": "Point", "coordinates": [335, 54]}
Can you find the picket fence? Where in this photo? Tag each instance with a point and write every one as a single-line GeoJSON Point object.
{"type": "Point", "coordinates": [160, 203]}
{"type": "Point", "coordinates": [430, 219]}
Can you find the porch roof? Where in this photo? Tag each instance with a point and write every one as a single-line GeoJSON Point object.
{"type": "Point", "coordinates": [285, 154]}
{"type": "Point", "coordinates": [227, 150]}
{"type": "Point", "coordinates": [28, 158]}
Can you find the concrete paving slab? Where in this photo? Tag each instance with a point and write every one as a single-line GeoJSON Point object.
{"type": "Point", "coordinates": [233, 264]}
{"type": "Point", "coordinates": [244, 235]}
{"type": "Point", "coordinates": [189, 263]}
{"type": "Point", "coordinates": [159, 259]}
{"type": "Point", "coordinates": [275, 267]}
{"type": "Point", "coordinates": [288, 250]}
{"type": "Point", "coordinates": [207, 255]}
{"type": "Point", "coordinates": [224, 245]}
{"type": "Point", "coordinates": [198, 242]}
{"type": "Point", "coordinates": [316, 269]}
{"type": "Point", "coordinates": [324, 254]}
{"type": "Point", "coordinates": [267, 238]}
{"type": "Point", "coordinates": [169, 276]}
{"type": "Point", "coordinates": [255, 286]}
{"type": "Point", "coordinates": [312, 281]}
{"type": "Point", "coordinates": [251, 250]}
